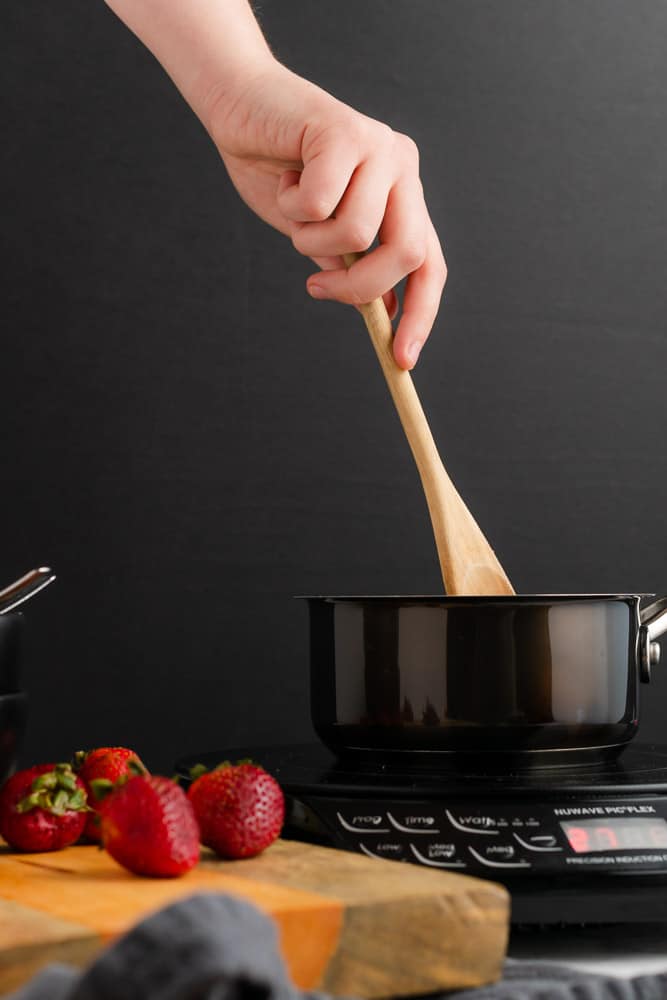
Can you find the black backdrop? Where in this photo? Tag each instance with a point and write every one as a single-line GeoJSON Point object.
{"type": "Point", "coordinates": [190, 440]}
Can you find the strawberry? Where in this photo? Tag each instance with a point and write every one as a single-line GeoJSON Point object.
{"type": "Point", "coordinates": [149, 827]}
{"type": "Point", "coordinates": [43, 808]}
{"type": "Point", "coordinates": [100, 770]}
{"type": "Point", "coordinates": [240, 809]}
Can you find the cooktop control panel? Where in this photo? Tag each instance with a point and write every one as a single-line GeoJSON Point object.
{"type": "Point", "coordinates": [522, 838]}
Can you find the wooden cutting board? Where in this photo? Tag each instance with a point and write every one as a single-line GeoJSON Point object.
{"type": "Point", "coordinates": [347, 924]}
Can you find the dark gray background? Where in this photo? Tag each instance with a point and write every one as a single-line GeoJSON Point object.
{"type": "Point", "coordinates": [190, 440]}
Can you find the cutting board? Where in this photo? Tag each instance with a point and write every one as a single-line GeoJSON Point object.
{"type": "Point", "coordinates": [347, 924]}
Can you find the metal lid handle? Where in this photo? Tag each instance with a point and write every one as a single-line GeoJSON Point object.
{"type": "Point", "coordinates": [25, 587]}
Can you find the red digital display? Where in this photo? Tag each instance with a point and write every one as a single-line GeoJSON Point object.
{"type": "Point", "coordinates": [589, 835]}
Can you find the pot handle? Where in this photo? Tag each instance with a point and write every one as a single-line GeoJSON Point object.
{"type": "Point", "coordinates": [653, 624]}
{"type": "Point", "coordinates": [654, 617]}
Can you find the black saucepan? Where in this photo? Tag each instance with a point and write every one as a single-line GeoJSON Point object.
{"type": "Point", "coordinates": [481, 675]}
{"type": "Point", "coordinates": [12, 699]}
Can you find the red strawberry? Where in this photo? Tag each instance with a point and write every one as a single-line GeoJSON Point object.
{"type": "Point", "coordinates": [43, 808]}
{"type": "Point", "coordinates": [149, 826]}
{"type": "Point", "coordinates": [239, 807]}
{"type": "Point", "coordinates": [104, 766]}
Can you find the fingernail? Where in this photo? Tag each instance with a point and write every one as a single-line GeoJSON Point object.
{"type": "Point", "coordinates": [316, 291]}
{"type": "Point", "coordinates": [413, 351]}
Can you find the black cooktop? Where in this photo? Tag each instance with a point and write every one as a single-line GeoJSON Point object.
{"type": "Point", "coordinates": [311, 768]}
{"type": "Point", "coordinates": [582, 842]}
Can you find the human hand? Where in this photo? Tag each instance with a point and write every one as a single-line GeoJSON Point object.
{"type": "Point", "coordinates": [333, 180]}
{"type": "Point", "coordinates": [329, 177]}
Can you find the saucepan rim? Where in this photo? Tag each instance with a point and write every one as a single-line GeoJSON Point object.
{"type": "Point", "coordinates": [474, 598]}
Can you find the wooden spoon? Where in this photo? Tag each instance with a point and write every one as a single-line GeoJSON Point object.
{"type": "Point", "coordinates": [467, 562]}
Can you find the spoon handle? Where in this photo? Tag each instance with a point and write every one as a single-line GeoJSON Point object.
{"type": "Point", "coordinates": [467, 562]}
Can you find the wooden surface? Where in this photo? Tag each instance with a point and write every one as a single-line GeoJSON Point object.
{"type": "Point", "coordinates": [467, 562]}
{"type": "Point", "coordinates": [347, 924]}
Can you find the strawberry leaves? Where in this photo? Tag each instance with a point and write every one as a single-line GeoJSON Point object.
{"type": "Point", "coordinates": [56, 792]}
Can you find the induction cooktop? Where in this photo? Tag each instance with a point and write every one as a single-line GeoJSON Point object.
{"type": "Point", "coordinates": [574, 843]}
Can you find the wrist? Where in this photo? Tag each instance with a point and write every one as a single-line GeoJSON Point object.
{"type": "Point", "coordinates": [222, 88]}
{"type": "Point", "coordinates": [208, 47]}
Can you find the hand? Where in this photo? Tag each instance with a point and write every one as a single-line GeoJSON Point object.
{"type": "Point", "coordinates": [333, 180]}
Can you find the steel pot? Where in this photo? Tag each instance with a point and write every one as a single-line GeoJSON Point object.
{"type": "Point", "coordinates": [481, 675]}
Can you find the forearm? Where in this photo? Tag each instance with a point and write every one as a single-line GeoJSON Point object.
{"type": "Point", "coordinates": [206, 46]}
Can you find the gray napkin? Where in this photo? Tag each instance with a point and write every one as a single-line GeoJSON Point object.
{"type": "Point", "coordinates": [543, 981]}
{"type": "Point", "coordinates": [215, 947]}
{"type": "Point", "coordinates": [206, 947]}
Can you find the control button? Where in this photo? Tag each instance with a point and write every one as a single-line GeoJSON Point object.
{"type": "Point", "coordinates": [387, 849]}
{"type": "Point", "coordinates": [500, 852]}
{"type": "Point", "coordinates": [364, 823]}
{"type": "Point", "coordinates": [493, 863]}
{"type": "Point", "coordinates": [539, 842]}
{"type": "Point", "coordinates": [440, 851]}
{"type": "Point", "coordinates": [436, 859]}
{"type": "Point", "coordinates": [473, 824]}
{"type": "Point", "coordinates": [414, 824]}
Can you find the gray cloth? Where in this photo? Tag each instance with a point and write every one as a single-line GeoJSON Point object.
{"type": "Point", "coordinates": [215, 947]}
{"type": "Point", "coordinates": [205, 947]}
{"type": "Point", "coordinates": [543, 981]}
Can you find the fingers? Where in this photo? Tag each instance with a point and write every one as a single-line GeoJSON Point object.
{"type": "Point", "coordinates": [359, 215]}
{"type": "Point", "coordinates": [329, 263]}
{"type": "Point", "coordinates": [313, 194]}
{"type": "Point", "coordinates": [402, 250]}
{"type": "Point", "coordinates": [421, 302]}
{"type": "Point", "coordinates": [389, 298]}
{"type": "Point", "coordinates": [372, 185]}
{"type": "Point", "coordinates": [423, 292]}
